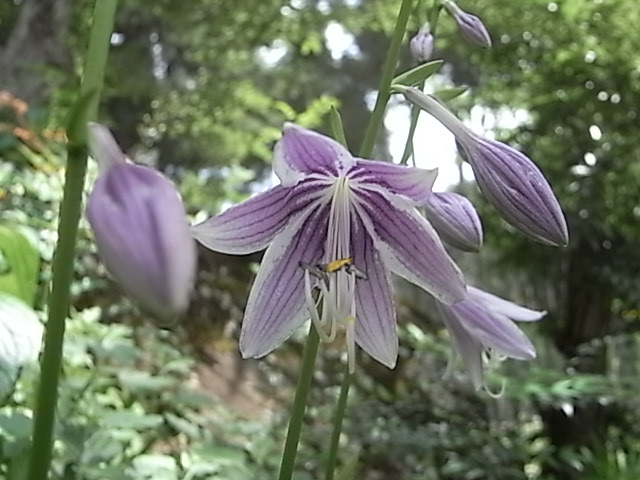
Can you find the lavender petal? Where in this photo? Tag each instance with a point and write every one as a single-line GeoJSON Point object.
{"type": "Point", "coordinates": [410, 182]}
{"type": "Point", "coordinates": [375, 313]}
{"type": "Point", "coordinates": [465, 344]}
{"type": "Point", "coordinates": [409, 245]}
{"type": "Point", "coordinates": [251, 225]}
{"type": "Point", "coordinates": [276, 304]}
{"type": "Point", "coordinates": [301, 152]}
{"type": "Point", "coordinates": [504, 307]}
{"type": "Point", "coordinates": [494, 331]}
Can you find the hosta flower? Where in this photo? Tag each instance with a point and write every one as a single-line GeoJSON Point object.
{"type": "Point", "coordinates": [471, 27]}
{"type": "Point", "coordinates": [141, 230]}
{"type": "Point", "coordinates": [336, 226]}
{"type": "Point", "coordinates": [513, 184]}
{"type": "Point", "coordinates": [421, 45]}
{"type": "Point", "coordinates": [483, 323]}
{"type": "Point", "coordinates": [455, 220]}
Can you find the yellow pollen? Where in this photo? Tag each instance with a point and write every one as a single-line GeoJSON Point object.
{"type": "Point", "coordinates": [336, 265]}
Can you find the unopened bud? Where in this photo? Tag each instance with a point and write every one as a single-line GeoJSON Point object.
{"type": "Point", "coordinates": [140, 229]}
{"type": "Point", "coordinates": [471, 27]}
{"type": "Point", "coordinates": [513, 184]}
{"type": "Point", "coordinates": [421, 45]}
{"type": "Point", "coordinates": [455, 220]}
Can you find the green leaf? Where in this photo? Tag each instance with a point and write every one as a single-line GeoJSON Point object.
{"type": "Point", "coordinates": [417, 75]}
{"type": "Point", "coordinates": [336, 126]}
{"type": "Point", "coordinates": [19, 274]}
{"type": "Point", "coordinates": [155, 466]}
{"type": "Point", "coordinates": [130, 420]}
{"type": "Point", "coordinates": [20, 337]}
{"type": "Point", "coordinates": [137, 380]}
{"type": "Point", "coordinates": [450, 93]}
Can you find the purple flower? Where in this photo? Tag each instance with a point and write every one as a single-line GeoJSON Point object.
{"type": "Point", "coordinates": [513, 184]}
{"type": "Point", "coordinates": [421, 45]}
{"type": "Point", "coordinates": [484, 323]}
{"type": "Point", "coordinates": [455, 220]}
{"type": "Point", "coordinates": [140, 229]}
{"type": "Point", "coordinates": [471, 27]}
{"type": "Point", "coordinates": [336, 225]}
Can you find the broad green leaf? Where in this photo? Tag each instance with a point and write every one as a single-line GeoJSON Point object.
{"type": "Point", "coordinates": [130, 420]}
{"type": "Point", "coordinates": [417, 75]}
{"type": "Point", "coordinates": [20, 336]}
{"type": "Point", "coordinates": [20, 270]}
{"type": "Point", "coordinates": [450, 93]}
{"type": "Point", "coordinates": [155, 466]}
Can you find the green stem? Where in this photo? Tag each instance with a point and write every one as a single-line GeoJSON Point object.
{"type": "Point", "coordinates": [377, 116]}
{"type": "Point", "coordinates": [311, 347]}
{"type": "Point", "coordinates": [63, 260]}
{"type": "Point", "coordinates": [337, 424]}
{"type": "Point", "coordinates": [299, 405]}
{"type": "Point", "coordinates": [434, 15]}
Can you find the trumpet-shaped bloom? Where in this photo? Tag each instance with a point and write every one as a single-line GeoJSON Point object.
{"type": "Point", "coordinates": [141, 230]}
{"type": "Point", "coordinates": [455, 220]}
{"type": "Point", "coordinates": [483, 323]}
{"type": "Point", "coordinates": [470, 26]}
{"type": "Point", "coordinates": [513, 184]}
{"type": "Point", "coordinates": [335, 226]}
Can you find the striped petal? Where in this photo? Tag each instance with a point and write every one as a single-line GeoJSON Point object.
{"type": "Point", "coordinates": [465, 344]}
{"type": "Point", "coordinates": [504, 307]}
{"type": "Point", "coordinates": [494, 331]}
{"type": "Point", "coordinates": [410, 246]}
{"type": "Point", "coordinates": [375, 313]}
{"type": "Point", "coordinates": [413, 183]}
{"type": "Point", "coordinates": [276, 305]}
{"type": "Point", "coordinates": [301, 152]}
{"type": "Point", "coordinates": [251, 225]}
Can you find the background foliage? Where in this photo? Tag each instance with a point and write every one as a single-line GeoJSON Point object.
{"type": "Point", "coordinates": [201, 93]}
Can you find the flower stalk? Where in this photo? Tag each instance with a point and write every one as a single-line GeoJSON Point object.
{"type": "Point", "coordinates": [313, 340]}
{"type": "Point", "coordinates": [63, 260]}
{"type": "Point", "coordinates": [384, 91]}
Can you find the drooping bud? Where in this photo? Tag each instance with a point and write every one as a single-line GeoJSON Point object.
{"type": "Point", "coordinates": [470, 26]}
{"type": "Point", "coordinates": [513, 184]}
{"type": "Point", "coordinates": [140, 229]}
{"type": "Point", "coordinates": [421, 45]}
{"type": "Point", "coordinates": [455, 220]}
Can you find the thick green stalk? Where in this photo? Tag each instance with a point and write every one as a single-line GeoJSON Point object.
{"type": "Point", "coordinates": [299, 405]}
{"type": "Point", "coordinates": [337, 424]}
{"type": "Point", "coordinates": [63, 260]}
{"type": "Point", "coordinates": [384, 91]}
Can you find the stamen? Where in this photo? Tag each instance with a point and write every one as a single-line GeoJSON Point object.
{"type": "Point", "coordinates": [350, 327]}
{"type": "Point", "coordinates": [313, 311]}
{"type": "Point", "coordinates": [336, 265]}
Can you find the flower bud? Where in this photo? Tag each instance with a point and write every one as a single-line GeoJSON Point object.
{"type": "Point", "coordinates": [421, 45]}
{"type": "Point", "coordinates": [471, 27]}
{"type": "Point", "coordinates": [516, 187]}
{"type": "Point", "coordinates": [140, 229]}
{"type": "Point", "coordinates": [455, 220]}
{"type": "Point", "coordinates": [513, 184]}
